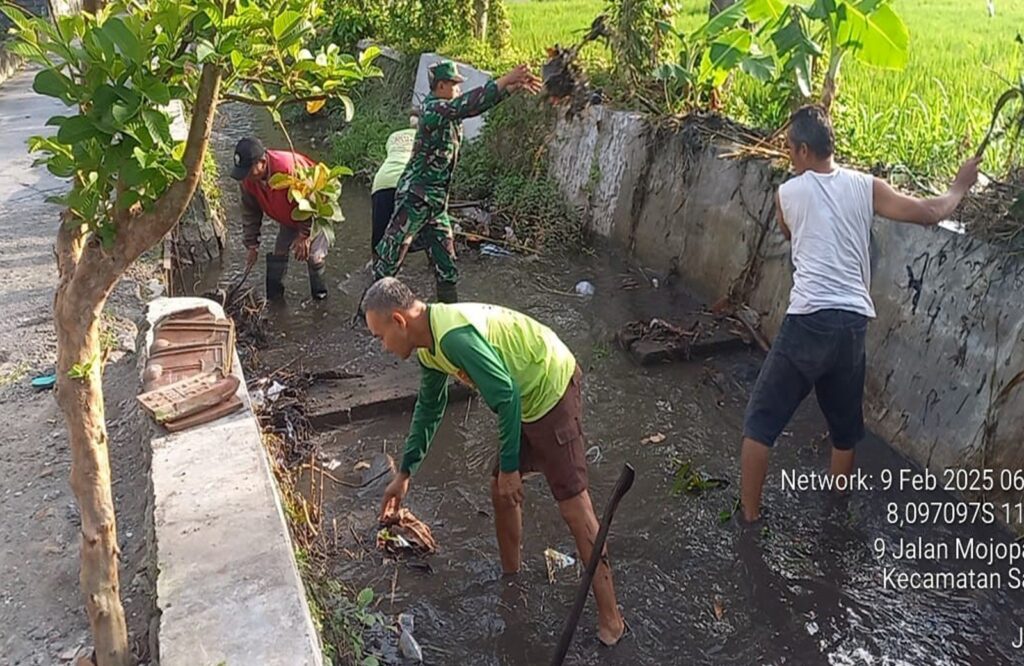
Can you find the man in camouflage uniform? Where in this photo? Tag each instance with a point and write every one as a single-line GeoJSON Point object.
{"type": "Point", "coordinates": [421, 197]}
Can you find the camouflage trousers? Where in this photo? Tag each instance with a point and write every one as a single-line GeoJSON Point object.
{"type": "Point", "coordinates": [414, 216]}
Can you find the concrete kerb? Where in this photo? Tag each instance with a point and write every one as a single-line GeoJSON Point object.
{"type": "Point", "coordinates": [228, 588]}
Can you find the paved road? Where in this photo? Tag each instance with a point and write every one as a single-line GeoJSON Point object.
{"type": "Point", "coordinates": [41, 612]}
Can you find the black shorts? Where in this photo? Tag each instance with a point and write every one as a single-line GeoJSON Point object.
{"type": "Point", "coordinates": [823, 351]}
{"type": "Point", "coordinates": [383, 202]}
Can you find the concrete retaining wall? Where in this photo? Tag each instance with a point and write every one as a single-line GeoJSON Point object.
{"type": "Point", "coordinates": [947, 343]}
{"type": "Point", "coordinates": [228, 589]}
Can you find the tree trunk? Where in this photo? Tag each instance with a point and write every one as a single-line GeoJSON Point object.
{"type": "Point", "coordinates": [830, 88]}
{"type": "Point", "coordinates": [719, 6]}
{"type": "Point", "coordinates": [77, 306]}
{"type": "Point", "coordinates": [480, 19]}
{"type": "Point", "coordinates": [86, 274]}
{"type": "Point", "coordinates": [199, 237]}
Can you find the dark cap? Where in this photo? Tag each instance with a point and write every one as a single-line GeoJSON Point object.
{"type": "Point", "coordinates": [248, 151]}
{"type": "Point", "coordinates": [445, 70]}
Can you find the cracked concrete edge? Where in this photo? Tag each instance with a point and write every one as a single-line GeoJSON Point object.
{"type": "Point", "coordinates": [228, 588]}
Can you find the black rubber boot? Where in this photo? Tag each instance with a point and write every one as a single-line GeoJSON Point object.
{"type": "Point", "coordinates": [447, 292]}
{"type": "Point", "coordinates": [277, 267]}
{"type": "Point", "coordinates": [317, 281]}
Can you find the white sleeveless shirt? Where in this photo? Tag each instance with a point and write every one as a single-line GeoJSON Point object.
{"type": "Point", "coordinates": [829, 216]}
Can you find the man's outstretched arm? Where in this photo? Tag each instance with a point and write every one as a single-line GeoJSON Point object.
{"type": "Point", "coordinates": [482, 99]}
{"type": "Point", "coordinates": [925, 211]}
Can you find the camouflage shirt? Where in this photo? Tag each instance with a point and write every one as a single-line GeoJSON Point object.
{"type": "Point", "coordinates": [436, 150]}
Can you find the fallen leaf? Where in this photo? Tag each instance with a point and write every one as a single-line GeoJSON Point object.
{"type": "Point", "coordinates": [315, 105]}
{"type": "Point", "coordinates": [46, 472]}
{"type": "Point", "coordinates": [656, 438]}
{"type": "Point", "coordinates": [361, 465]}
{"type": "Point", "coordinates": [45, 512]}
{"type": "Point", "coordinates": [719, 608]}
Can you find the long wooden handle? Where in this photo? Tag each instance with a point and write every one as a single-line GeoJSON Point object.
{"type": "Point", "coordinates": [623, 485]}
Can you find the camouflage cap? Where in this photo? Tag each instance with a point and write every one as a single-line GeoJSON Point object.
{"type": "Point", "coordinates": [445, 70]}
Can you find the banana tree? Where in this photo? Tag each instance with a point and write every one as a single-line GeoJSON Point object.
{"type": "Point", "coordinates": [870, 30]}
{"type": "Point", "coordinates": [120, 67]}
{"type": "Point", "coordinates": [708, 55]}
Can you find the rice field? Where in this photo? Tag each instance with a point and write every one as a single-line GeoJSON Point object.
{"type": "Point", "coordinates": [926, 117]}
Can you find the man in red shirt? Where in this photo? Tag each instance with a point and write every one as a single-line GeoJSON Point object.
{"type": "Point", "coordinates": [254, 165]}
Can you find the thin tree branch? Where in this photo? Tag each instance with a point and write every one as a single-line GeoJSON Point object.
{"type": "Point", "coordinates": [148, 228]}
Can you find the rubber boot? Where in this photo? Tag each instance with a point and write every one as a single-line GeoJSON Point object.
{"type": "Point", "coordinates": [277, 267]}
{"type": "Point", "coordinates": [317, 281]}
{"type": "Point", "coordinates": [447, 292]}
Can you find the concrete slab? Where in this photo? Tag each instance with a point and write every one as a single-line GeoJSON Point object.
{"type": "Point", "coordinates": [475, 78]}
{"type": "Point", "coordinates": [333, 403]}
{"type": "Point", "coordinates": [228, 588]}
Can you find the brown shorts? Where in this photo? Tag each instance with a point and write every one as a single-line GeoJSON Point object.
{"type": "Point", "coordinates": [554, 445]}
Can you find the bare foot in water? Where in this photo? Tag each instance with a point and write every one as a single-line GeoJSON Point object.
{"type": "Point", "coordinates": [612, 634]}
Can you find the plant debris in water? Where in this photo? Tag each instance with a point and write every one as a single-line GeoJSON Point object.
{"type": "Point", "coordinates": [403, 533]}
{"type": "Point", "coordinates": [692, 481]}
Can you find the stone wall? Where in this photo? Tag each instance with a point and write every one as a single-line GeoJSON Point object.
{"type": "Point", "coordinates": [945, 353]}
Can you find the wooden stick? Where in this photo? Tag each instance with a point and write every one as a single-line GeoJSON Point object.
{"type": "Point", "coordinates": [623, 485]}
{"type": "Point", "coordinates": [487, 239]}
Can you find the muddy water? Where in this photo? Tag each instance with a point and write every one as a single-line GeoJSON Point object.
{"type": "Point", "coordinates": [807, 590]}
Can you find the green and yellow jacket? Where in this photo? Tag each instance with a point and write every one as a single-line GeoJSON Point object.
{"type": "Point", "coordinates": [519, 366]}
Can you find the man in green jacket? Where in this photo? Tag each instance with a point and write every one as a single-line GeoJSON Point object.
{"type": "Point", "coordinates": [421, 197]}
{"type": "Point", "coordinates": [530, 379]}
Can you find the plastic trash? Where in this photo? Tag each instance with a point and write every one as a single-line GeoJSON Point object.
{"type": "Point", "coordinates": [585, 288]}
{"type": "Point", "coordinates": [406, 642]}
{"type": "Point", "coordinates": [556, 561]}
{"type": "Point", "coordinates": [275, 390]}
{"type": "Point", "coordinates": [492, 250]}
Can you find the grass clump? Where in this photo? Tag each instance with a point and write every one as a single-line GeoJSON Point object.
{"type": "Point", "coordinates": [508, 166]}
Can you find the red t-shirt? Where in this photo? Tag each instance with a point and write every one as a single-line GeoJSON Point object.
{"type": "Point", "coordinates": [273, 202]}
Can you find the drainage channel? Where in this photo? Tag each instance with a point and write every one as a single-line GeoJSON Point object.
{"type": "Point", "coordinates": [809, 588]}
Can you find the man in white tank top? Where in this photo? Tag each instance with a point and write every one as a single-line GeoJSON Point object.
{"type": "Point", "coordinates": [826, 212]}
